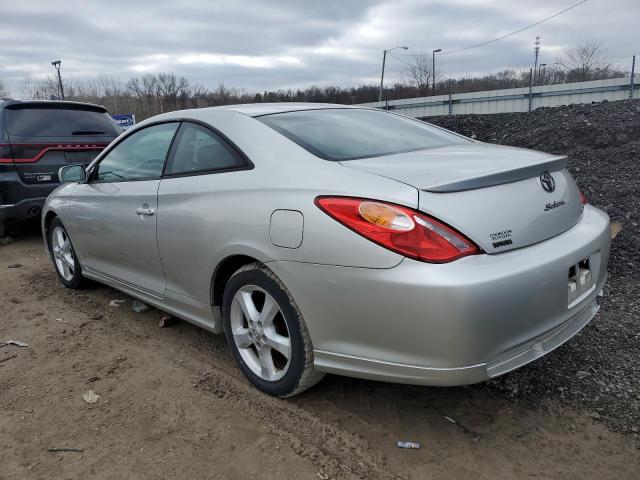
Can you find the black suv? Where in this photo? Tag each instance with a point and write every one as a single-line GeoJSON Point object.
{"type": "Point", "coordinates": [36, 139]}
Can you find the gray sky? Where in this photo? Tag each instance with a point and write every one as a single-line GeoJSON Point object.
{"type": "Point", "coordinates": [260, 44]}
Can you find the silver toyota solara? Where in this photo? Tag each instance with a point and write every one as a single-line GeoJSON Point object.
{"type": "Point", "coordinates": [323, 238]}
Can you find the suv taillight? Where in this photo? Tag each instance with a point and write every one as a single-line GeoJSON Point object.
{"type": "Point", "coordinates": [399, 229]}
{"type": "Point", "coordinates": [5, 153]}
{"type": "Point", "coordinates": [31, 153]}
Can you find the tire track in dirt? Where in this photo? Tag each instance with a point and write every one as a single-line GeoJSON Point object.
{"type": "Point", "coordinates": [337, 453]}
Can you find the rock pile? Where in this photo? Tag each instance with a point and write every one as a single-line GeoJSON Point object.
{"type": "Point", "coordinates": [599, 369]}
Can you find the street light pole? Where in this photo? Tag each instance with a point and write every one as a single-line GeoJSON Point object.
{"type": "Point", "coordinates": [56, 65]}
{"type": "Point", "coordinates": [433, 70]}
{"type": "Point", "coordinates": [384, 60]}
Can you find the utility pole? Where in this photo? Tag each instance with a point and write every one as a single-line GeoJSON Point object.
{"type": "Point", "coordinates": [535, 65]}
{"type": "Point", "coordinates": [633, 71]}
{"type": "Point", "coordinates": [384, 60]}
{"type": "Point", "coordinates": [433, 71]}
{"type": "Point", "coordinates": [530, 89]}
{"type": "Point", "coordinates": [541, 72]}
{"type": "Point", "coordinates": [56, 65]}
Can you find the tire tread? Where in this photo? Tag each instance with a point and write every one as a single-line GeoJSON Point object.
{"type": "Point", "coordinates": [310, 376]}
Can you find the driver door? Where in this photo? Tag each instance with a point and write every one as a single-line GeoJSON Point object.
{"type": "Point", "coordinates": [113, 215]}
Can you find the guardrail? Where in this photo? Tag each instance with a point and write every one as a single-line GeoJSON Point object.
{"type": "Point", "coordinates": [514, 99]}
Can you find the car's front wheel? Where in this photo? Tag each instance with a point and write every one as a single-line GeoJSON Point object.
{"type": "Point", "coordinates": [64, 256]}
{"type": "Point", "coordinates": [267, 334]}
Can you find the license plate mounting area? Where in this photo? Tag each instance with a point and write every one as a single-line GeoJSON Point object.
{"type": "Point", "coordinates": [580, 282]}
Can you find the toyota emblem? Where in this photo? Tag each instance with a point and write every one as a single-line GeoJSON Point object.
{"type": "Point", "coordinates": [547, 181]}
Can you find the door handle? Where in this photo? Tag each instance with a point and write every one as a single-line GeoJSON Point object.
{"type": "Point", "coordinates": [145, 211]}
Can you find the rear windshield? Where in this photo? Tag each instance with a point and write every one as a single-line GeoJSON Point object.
{"type": "Point", "coordinates": [348, 134]}
{"type": "Point", "coordinates": [56, 121]}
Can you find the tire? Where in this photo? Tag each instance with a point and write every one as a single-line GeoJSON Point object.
{"type": "Point", "coordinates": [63, 255]}
{"type": "Point", "coordinates": [253, 344]}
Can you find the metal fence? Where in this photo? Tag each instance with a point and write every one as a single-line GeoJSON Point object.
{"type": "Point", "coordinates": [514, 99]}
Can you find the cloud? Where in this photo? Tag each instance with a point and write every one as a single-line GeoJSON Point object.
{"type": "Point", "coordinates": [280, 44]}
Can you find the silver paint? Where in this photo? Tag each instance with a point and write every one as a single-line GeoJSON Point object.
{"type": "Point", "coordinates": [370, 312]}
{"type": "Point", "coordinates": [286, 228]}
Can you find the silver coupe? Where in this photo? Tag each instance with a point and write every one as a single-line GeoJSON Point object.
{"type": "Point", "coordinates": [323, 238]}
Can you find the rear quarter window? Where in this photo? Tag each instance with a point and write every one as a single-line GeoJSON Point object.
{"type": "Point", "coordinates": [56, 121]}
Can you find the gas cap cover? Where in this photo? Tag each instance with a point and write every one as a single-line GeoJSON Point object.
{"type": "Point", "coordinates": [285, 229]}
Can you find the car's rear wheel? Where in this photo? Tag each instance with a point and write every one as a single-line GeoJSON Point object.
{"type": "Point", "coordinates": [266, 333]}
{"type": "Point", "coordinates": [64, 256]}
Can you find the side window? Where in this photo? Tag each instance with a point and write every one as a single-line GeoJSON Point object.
{"type": "Point", "coordinates": [198, 149]}
{"type": "Point", "coordinates": [139, 156]}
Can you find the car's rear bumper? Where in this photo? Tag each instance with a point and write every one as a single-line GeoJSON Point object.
{"type": "Point", "coordinates": [422, 375]}
{"type": "Point", "coordinates": [18, 200]}
{"type": "Point", "coordinates": [23, 209]}
{"type": "Point", "coordinates": [449, 324]}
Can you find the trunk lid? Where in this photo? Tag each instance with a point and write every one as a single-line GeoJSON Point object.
{"type": "Point", "coordinates": [493, 194]}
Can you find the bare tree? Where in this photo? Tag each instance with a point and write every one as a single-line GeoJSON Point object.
{"type": "Point", "coordinates": [45, 88]}
{"type": "Point", "coordinates": [586, 61]}
{"type": "Point", "coordinates": [28, 86]}
{"type": "Point", "coordinates": [4, 91]}
{"type": "Point", "coordinates": [419, 73]}
{"type": "Point", "coordinates": [110, 86]}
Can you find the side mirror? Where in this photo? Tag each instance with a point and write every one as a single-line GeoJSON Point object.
{"type": "Point", "coordinates": [72, 173]}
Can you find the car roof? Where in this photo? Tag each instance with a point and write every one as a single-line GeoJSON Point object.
{"type": "Point", "coordinates": [8, 102]}
{"type": "Point", "coordinates": [248, 109]}
{"type": "Point", "coordinates": [258, 109]}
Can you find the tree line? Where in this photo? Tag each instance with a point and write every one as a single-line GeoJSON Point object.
{"type": "Point", "coordinates": [152, 94]}
{"type": "Point", "coordinates": [584, 62]}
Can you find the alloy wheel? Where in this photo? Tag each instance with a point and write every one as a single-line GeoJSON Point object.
{"type": "Point", "coordinates": [62, 253]}
{"type": "Point", "coordinates": [260, 333]}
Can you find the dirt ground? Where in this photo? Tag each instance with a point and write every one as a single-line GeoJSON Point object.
{"type": "Point", "coordinates": [173, 405]}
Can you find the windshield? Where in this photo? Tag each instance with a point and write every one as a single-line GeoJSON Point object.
{"type": "Point", "coordinates": [348, 134]}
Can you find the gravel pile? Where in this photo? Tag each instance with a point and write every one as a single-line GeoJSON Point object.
{"type": "Point", "coordinates": [599, 370]}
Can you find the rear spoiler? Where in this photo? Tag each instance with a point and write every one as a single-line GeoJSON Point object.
{"type": "Point", "coordinates": [53, 104]}
{"type": "Point", "coordinates": [501, 177]}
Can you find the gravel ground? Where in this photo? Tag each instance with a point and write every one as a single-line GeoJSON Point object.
{"type": "Point", "coordinates": [599, 369]}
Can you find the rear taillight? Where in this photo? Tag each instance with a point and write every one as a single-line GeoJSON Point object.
{"type": "Point", "coordinates": [31, 153]}
{"type": "Point", "coordinates": [583, 199]}
{"type": "Point", "coordinates": [5, 153]}
{"type": "Point", "coordinates": [400, 229]}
